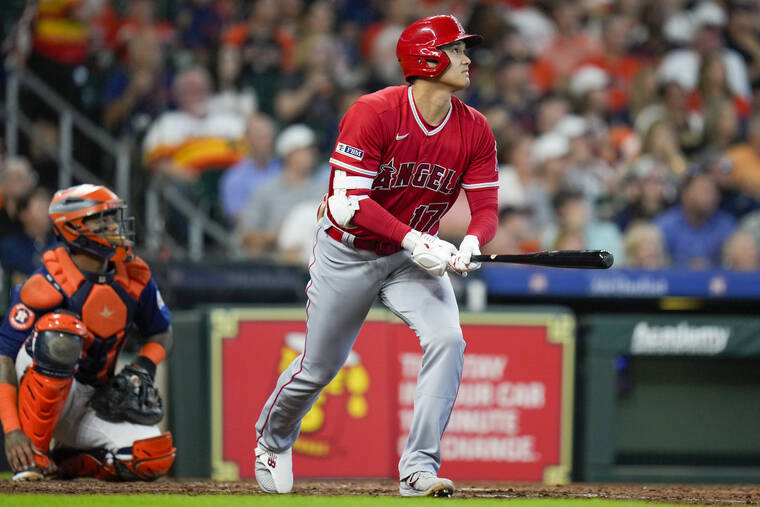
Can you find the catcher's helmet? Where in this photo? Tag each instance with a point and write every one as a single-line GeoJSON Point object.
{"type": "Point", "coordinates": [73, 206]}
{"type": "Point", "coordinates": [420, 43]}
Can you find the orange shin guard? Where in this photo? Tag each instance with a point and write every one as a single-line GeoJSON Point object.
{"type": "Point", "coordinates": [40, 402]}
{"type": "Point", "coordinates": [151, 459]}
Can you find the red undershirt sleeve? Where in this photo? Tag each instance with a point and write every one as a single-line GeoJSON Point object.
{"type": "Point", "coordinates": [374, 218]}
{"type": "Point", "coordinates": [484, 210]}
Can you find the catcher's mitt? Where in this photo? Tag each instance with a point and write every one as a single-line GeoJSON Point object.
{"type": "Point", "coordinates": [129, 396]}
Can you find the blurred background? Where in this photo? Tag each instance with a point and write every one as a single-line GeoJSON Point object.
{"type": "Point", "coordinates": [628, 125]}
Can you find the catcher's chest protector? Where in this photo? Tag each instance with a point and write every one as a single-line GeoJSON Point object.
{"type": "Point", "coordinates": [106, 303]}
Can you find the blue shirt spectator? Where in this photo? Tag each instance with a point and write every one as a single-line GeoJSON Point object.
{"type": "Point", "coordinates": [21, 252]}
{"type": "Point", "coordinates": [695, 229]}
{"type": "Point", "coordinates": [239, 182]}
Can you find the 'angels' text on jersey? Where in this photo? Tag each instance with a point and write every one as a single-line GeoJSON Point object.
{"type": "Point", "coordinates": [418, 174]}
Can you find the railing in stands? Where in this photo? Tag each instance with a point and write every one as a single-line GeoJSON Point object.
{"type": "Point", "coordinates": [200, 225]}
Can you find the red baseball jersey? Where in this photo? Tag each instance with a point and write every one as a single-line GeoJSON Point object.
{"type": "Point", "coordinates": [416, 169]}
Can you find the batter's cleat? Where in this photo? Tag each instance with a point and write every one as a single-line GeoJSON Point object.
{"type": "Point", "coordinates": [425, 484]}
{"type": "Point", "coordinates": [29, 474]}
{"type": "Point", "coordinates": [274, 471]}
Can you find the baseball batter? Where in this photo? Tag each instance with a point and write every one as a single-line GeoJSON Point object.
{"type": "Point", "coordinates": [402, 156]}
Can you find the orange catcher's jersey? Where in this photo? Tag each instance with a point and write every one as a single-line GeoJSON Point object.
{"type": "Point", "coordinates": [412, 169]}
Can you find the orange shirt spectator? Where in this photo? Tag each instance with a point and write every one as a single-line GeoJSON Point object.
{"type": "Point", "coordinates": [745, 160]}
{"type": "Point", "coordinates": [569, 48]}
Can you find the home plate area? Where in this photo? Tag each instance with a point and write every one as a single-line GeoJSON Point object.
{"type": "Point", "coordinates": [682, 494]}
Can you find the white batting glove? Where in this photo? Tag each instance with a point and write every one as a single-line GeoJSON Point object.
{"type": "Point", "coordinates": [428, 252]}
{"type": "Point", "coordinates": [461, 261]}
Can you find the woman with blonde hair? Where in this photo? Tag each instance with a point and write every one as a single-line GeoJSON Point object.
{"type": "Point", "coordinates": [644, 247]}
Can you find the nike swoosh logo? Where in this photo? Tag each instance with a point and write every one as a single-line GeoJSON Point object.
{"type": "Point", "coordinates": [399, 138]}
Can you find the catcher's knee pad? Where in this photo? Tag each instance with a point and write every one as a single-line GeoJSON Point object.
{"type": "Point", "coordinates": [151, 459]}
{"type": "Point", "coordinates": [56, 344]}
{"type": "Point", "coordinates": [40, 402]}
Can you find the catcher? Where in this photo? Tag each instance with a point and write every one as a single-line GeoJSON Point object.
{"type": "Point", "coordinates": [59, 343]}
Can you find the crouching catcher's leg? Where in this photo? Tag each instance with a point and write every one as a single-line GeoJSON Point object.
{"type": "Point", "coordinates": [150, 459]}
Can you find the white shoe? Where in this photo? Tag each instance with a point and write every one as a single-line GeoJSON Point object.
{"type": "Point", "coordinates": [274, 471]}
{"type": "Point", "coordinates": [425, 484]}
{"type": "Point", "coordinates": [29, 474]}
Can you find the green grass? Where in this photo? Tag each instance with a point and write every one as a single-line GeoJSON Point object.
{"type": "Point", "coordinates": [24, 500]}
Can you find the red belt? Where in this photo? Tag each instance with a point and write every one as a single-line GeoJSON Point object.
{"type": "Point", "coordinates": [379, 247]}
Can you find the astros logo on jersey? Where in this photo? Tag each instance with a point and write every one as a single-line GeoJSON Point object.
{"type": "Point", "coordinates": [21, 317]}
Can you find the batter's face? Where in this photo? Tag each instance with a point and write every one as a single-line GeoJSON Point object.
{"type": "Point", "coordinates": [457, 74]}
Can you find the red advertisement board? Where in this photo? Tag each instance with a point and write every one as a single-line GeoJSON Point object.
{"type": "Point", "coordinates": [511, 420]}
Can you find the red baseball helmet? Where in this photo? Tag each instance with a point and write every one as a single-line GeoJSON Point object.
{"type": "Point", "coordinates": [73, 206]}
{"type": "Point", "coordinates": [420, 43]}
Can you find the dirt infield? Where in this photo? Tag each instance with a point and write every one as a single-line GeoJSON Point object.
{"type": "Point", "coordinates": [684, 494]}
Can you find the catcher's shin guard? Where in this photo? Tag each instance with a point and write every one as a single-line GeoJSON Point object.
{"type": "Point", "coordinates": [41, 401]}
{"type": "Point", "coordinates": [151, 458]}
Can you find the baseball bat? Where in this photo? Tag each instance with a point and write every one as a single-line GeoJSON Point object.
{"type": "Point", "coordinates": [580, 259]}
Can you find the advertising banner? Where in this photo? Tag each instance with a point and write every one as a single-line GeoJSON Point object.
{"type": "Point", "coordinates": [511, 420]}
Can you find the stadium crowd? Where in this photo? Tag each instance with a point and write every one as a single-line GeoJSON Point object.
{"type": "Point", "coordinates": [628, 125]}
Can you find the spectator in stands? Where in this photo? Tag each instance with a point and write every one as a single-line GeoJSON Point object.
{"type": "Point", "coordinates": [613, 57]}
{"type": "Point", "coordinates": [261, 219]}
{"type": "Point", "coordinates": [672, 105]}
{"type": "Point", "coordinates": [60, 47]}
{"type": "Point", "coordinates": [713, 89]}
{"type": "Point", "coordinates": [740, 252]}
{"type": "Point", "coordinates": [141, 21]}
{"type": "Point", "coordinates": [570, 46]}
{"type": "Point", "coordinates": [514, 234]}
{"type": "Point", "coordinates": [682, 65]}
{"type": "Point", "coordinates": [588, 89]}
{"type": "Point", "coordinates": [643, 92]}
{"type": "Point", "coordinates": [660, 143]}
{"type": "Point", "coordinates": [138, 92]}
{"type": "Point", "coordinates": [733, 200]}
{"type": "Point", "coordinates": [644, 247]}
{"type": "Point", "coordinates": [231, 95]}
{"type": "Point", "coordinates": [267, 50]}
{"type": "Point", "coordinates": [21, 252]}
{"type": "Point", "coordinates": [244, 178]}
{"type": "Point", "coordinates": [17, 179]}
{"type": "Point", "coordinates": [742, 35]}
{"type": "Point", "coordinates": [575, 226]}
{"type": "Point", "coordinates": [549, 153]}
{"type": "Point", "coordinates": [518, 174]}
{"type": "Point", "coordinates": [200, 24]}
{"type": "Point", "coordinates": [688, 124]}
{"type": "Point", "coordinates": [182, 144]}
{"type": "Point", "coordinates": [695, 229]}
{"type": "Point", "coordinates": [310, 94]}
{"type": "Point", "coordinates": [585, 171]}
{"type": "Point", "coordinates": [721, 130]}
{"type": "Point", "coordinates": [745, 160]}
{"type": "Point", "coordinates": [378, 43]}
{"type": "Point", "coordinates": [549, 111]}
{"type": "Point", "coordinates": [645, 193]}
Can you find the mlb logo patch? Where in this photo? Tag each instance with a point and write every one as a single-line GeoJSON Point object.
{"type": "Point", "coordinates": [350, 151]}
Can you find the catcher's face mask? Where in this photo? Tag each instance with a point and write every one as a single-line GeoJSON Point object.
{"type": "Point", "coordinates": [91, 218]}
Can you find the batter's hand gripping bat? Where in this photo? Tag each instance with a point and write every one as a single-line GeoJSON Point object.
{"type": "Point", "coordinates": [580, 259]}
